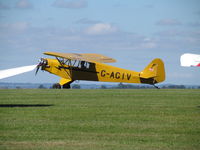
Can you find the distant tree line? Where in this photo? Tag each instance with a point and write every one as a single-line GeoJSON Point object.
{"type": "Point", "coordinates": [41, 86]}
{"type": "Point", "coordinates": [76, 86]}
{"type": "Point", "coordinates": [118, 86]}
{"type": "Point", "coordinates": [130, 86]}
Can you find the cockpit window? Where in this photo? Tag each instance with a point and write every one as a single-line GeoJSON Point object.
{"type": "Point", "coordinates": [85, 65]}
{"type": "Point", "coordinates": [75, 63]}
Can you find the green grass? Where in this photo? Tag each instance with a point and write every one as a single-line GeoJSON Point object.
{"type": "Point", "coordinates": [100, 119]}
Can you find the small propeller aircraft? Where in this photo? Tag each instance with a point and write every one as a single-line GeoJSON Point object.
{"type": "Point", "coordinates": [91, 67]}
{"type": "Point", "coordinates": [190, 60]}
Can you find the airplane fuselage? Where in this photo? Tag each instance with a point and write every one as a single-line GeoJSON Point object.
{"type": "Point", "coordinates": [94, 72]}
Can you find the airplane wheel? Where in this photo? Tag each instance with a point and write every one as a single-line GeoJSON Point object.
{"type": "Point", "coordinates": [56, 86]}
{"type": "Point", "coordinates": [66, 86]}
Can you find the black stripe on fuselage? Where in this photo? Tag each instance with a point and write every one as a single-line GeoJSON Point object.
{"type": "Point", "coordinates": [76, 69]}
{"type": "Point", "coordinates": [148, 80]}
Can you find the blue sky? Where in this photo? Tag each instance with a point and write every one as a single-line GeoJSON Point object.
{"type": "Point", "coordinates": [133, 32]}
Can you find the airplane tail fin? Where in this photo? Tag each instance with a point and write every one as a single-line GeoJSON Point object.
{"type": "Point", "coordinates": [153, 73]}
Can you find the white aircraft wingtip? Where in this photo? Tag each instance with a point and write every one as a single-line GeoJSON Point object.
{"type": "Point", "coordinates": [188, 60]}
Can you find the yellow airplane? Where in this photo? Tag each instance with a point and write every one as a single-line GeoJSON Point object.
{"type": "Point", "coordinates": [92, 67]}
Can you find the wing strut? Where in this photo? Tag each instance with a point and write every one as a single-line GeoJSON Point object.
{"type": "Point", "coordinates": [70, 68]}
{"type": "Point", "coordinates": [64, 68]}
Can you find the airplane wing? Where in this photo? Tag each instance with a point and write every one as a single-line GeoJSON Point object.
{"type": "Point", "coordinates": [89, 57]}
{"type": "Point", "coordinates": [188, 60]}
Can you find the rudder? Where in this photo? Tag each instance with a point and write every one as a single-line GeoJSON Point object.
{"type": "Point", "coordinates": [153, 73]}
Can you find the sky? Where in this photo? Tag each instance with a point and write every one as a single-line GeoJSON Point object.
{"type": "Point", "coordinates": [131, 31]}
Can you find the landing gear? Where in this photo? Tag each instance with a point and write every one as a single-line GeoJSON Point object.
{"type": "Point", "coordinates": [56, 86]}
{"type": "Point", "coordinates": [66, 86]}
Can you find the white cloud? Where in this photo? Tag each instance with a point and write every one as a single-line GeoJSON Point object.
{"type": "Point", "coordinates": [73, 4]}
{"type": "Point", "coordinates": [97, 36]}
{"type": "Point", "coordinates": [100, 28]}
{"type": "Point", "coordinates": [23, 4]}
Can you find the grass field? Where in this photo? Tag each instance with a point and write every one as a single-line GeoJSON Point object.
{"type": "Point", "coordinates": [100, 119]}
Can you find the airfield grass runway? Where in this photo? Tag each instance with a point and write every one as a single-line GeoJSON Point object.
{"type": "Point", "coordinates": [115, 119]}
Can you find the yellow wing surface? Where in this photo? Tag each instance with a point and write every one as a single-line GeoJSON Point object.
{"type": "Point", "coordinates": [89, 57]}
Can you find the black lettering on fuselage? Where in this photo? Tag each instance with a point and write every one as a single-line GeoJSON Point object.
{"type": "Point", "coordinates": [115, 75]}
{"type": "Point", "coordinates": [128, 76]}
{"type": "Point", "coordinates": [112, 75]}
{"type": "Point", "coordinates": [103, 73]}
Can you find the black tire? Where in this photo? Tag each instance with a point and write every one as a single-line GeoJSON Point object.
{"type": "Point", "coordinates": [66, 86]}
{"type": "Point", "coordinates": [56, 86]}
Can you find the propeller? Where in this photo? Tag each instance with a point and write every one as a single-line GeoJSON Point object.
{"type": "Point", "coordinates": [42, 64]}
